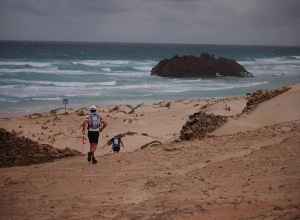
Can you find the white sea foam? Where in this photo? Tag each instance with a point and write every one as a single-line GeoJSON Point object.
{"type": "Point", "coordinates": [54, 71]}
{"type": "Point", "coordinates": [297, 57]}
{"type": "Point", "coordinates": [106, 69]}
{"type": "Point", "coordinates": [143, 68]}
{"type": "Point", "coordinates": [47, 99]}
{"type": "Point", "coordinates": [126, 74]}
{"type": "Point", "coordinates": [109, 63]}
{"type": "Point", "coordinates": [31, 64]}
{"type": "Point", "coordinates": [187, 80]}
{"type": "Point", "coordinates": [62, 84]}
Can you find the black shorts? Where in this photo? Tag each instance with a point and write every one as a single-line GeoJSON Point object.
{"type": "Point", "coordinates": [93, 137]}
{"type": "Point", "coordinates": [116, 149]}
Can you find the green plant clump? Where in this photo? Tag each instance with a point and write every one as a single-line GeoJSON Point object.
{"type": "Point", "coordinates": [114, 109]}
{"type": "Point", "coordinates": [134, 108]}
{"type": "Point", "coordinates": [35, 115]}
{"type": "Point", "coordinates": [151, 144]}
{"type": "Point", "coordinates": [168, 105]}
{"type": "Point", "coordinates": [53, 112]}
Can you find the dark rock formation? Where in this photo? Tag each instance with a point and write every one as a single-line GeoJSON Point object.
{"type": "Point", "coordinates": [204, 66]}
{"type": "Point", "coordinates": [200, 124]}
{"type": "Point", "coordinates": [21, 151]}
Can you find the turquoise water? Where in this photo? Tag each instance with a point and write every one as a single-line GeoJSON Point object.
{"type": "Point", "coordinates": [37, 76]}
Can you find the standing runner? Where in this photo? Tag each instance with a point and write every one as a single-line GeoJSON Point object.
{"type": "Point", "coordinates": [95, 125]}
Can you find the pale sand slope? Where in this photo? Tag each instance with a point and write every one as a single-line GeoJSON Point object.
{"type": "Point", "coordinates": [283, 108]}
{"type": "Point", "coordinates": [249, 175]}
{"type": "Point", "coordinates": [149, 122]}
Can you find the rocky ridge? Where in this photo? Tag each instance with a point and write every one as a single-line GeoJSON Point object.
{"type": "Point", "coordinates": [200, 124]}
{"type": "Point", "coordinates": [21, 151]}
{"type": "Point", "coordinates": [261, 96]}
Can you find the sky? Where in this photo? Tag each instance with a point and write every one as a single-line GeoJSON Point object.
{"type": "Point", "coordinates": [240, 22]}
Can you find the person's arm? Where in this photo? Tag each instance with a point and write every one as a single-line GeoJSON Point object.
{"type": "Point", "coordinates": [122, 142]}
{"type": "Point", "coordinates": [84, 125]}
{"type": "Point", "coordinates": [104, 124]}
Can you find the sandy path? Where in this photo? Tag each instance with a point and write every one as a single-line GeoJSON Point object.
{"type": "Point", "coordinates": [228, 176]}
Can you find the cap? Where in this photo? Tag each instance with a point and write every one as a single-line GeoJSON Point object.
{"type": "Point", "coordinates": [116, 134]}
{"type": "Point", "coordinates": [93, 107]}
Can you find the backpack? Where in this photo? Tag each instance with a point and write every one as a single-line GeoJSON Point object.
{"type": "Point", "coordinates": [94, 121]}
{"type": "Point", "coordinates": [116, 142]}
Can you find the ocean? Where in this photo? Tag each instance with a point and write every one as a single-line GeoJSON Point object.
{"type": "Point", "coordinates": [38, 76]}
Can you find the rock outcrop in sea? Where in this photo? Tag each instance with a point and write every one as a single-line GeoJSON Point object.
{"type": "Point", "coordinates": [204, 66]}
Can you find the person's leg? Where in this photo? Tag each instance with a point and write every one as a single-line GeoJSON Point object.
{"type": "Point", "coordinates": [93, 139]}
{"type": "Point", "coordinates": [90, 154]}
{"type": "Point", "coordinates": [93, 149]}
{"type": "Point", "coordinates": [90, 137]}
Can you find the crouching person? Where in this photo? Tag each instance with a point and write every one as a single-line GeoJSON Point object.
{"type": "Point", "coordinates": [116, 143]}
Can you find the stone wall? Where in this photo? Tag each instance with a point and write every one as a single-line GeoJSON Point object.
{"type": "Point", "coordinates": [261, 96]}
{"type": "Point", "coordinates": [199, 124]}
{"type": "Point", "coordinates": [21, 151]}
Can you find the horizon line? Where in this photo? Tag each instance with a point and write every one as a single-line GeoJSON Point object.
{"type": "Point", "coordinates": [128, 42]}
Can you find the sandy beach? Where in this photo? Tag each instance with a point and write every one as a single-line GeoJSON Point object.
{"type": "Point", "coordinates": [249, 168]}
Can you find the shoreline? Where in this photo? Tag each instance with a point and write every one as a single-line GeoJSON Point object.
{"type": "Point", "coordinates": [104, 104]}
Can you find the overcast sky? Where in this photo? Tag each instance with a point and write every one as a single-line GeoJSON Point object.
{"type": "Point", "coordinates": [251, 22]}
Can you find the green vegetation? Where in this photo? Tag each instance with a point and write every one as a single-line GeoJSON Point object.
{"type": "Point", "coordinates": [162, 104]}
{"type": "Point", "coordinates": [35, 115]}
{"type": "Point", "coordinates": [114, 109]}
{"type": "Point", "coordinates": [204, 107]}
{"type": "Point", "coordinates": [54, 111]}
{"type": "Point", "coordinates": [151, 144]}
{"type": "Point", "coordinates": [134, 108]}
{"type": "Point", "coordinates": [168, 105]}
{"type": "Point", "coordinates": [145, 134]}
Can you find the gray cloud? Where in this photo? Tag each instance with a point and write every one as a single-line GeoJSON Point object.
{"type": "Point", "coordinates": [162, 21]}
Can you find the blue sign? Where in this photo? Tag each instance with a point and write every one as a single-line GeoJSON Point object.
{"type": "Point", "coordinates": [65, 101]}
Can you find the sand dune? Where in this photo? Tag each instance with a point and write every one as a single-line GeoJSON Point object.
{"type": "Point", "coordinates": [243, 175]}
{"type": "Point", "coordinates": [283, 108]}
